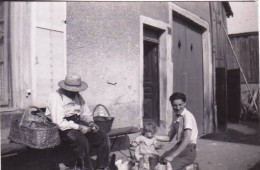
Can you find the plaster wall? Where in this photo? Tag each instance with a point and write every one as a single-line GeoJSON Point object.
{"type": "Point", "coordinates": [201, 9]}
{"type": "Point", "coordinates": [245, 17]}
{"type": "Point", "coordinates": [103, 46]}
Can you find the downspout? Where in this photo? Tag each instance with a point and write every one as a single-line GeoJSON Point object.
{"type": "Point", "coordinates": [214, 105]}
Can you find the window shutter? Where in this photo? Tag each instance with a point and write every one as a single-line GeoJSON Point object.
{"type": "Point", "coordinates": [50, 49]}
{"type": "Point", "coordinates": [4, 75]}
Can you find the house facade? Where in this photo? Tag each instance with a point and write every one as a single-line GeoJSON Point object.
{"type": "Point", "coordinates": [133, 55]}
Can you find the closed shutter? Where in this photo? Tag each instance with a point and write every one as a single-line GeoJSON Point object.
{"type": "Point", "coordinates": [4, 69]}
{"type": "Point", "coordinates": [49, 64]}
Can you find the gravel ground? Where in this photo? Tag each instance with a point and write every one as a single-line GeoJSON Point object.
{"type": "Point", "coordinates": [238, 148]}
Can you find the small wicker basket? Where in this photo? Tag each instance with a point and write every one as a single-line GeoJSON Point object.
{"type": "Point", "coordinates": [104, 123]}
{"type": "Point", "coordinates": [35, 134]}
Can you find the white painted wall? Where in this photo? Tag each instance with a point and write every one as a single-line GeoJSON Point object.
{"type": "Point", "coordinates": [245, 18]}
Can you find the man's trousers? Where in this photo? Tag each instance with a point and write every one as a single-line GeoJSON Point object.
{"type": "Point", "coordinates": [82, 145]}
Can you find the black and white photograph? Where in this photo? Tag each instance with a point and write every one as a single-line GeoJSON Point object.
{"type": "Point", "coordinates": [129, 85]}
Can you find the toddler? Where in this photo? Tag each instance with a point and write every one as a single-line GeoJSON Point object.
{"type": "Point", "coordinates": [146, 145]}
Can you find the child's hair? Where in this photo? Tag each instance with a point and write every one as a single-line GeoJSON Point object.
{"type": "Point", "coordinates": [176, 96]}
{"type": "Point", "coordinates": [149, 127]}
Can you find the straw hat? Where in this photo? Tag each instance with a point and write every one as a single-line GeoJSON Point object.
{"type": "Point", "coordinates": [73, 83]}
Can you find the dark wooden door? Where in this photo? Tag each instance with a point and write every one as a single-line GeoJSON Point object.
{"type": "Point", "coordinates": [188, 66]}
{"type": "Point", "coordinates": [233, 95]}
{"type": "Point", "coordinates": [221, 97]}
{"type": "Point", "coordinates": [151, 82]}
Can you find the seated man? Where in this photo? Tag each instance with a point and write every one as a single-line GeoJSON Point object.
{"type": "Point", "coordinates": [67, 109]}
{"type": "Point", "coordinates": [186, 133]}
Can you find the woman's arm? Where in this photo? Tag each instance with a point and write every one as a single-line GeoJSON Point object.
{"type": "Point", "coordinates": [169, 137]}
{"type": "Point", "coordinates": [162, 138]}
{"type": "Point", "coordinates": [166, 138]}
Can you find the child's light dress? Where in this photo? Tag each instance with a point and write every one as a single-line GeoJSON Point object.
{"type": "Point", "coordinates": [148, 148]}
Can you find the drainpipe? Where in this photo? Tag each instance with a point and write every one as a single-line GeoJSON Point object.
{"type": "Point", "coordinates": [214, 46]}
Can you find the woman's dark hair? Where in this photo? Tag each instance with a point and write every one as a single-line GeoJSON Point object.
{"type": "Point", "coordinates": [176, 96]}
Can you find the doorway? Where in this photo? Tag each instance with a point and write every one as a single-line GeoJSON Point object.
{"type": "Point", "coordinates": [151, 76]}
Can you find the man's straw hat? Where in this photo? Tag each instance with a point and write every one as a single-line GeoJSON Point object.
{"type": "Point", "coordinates": [73, 83]}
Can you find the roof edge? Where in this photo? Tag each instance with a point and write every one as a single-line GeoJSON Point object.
{"type": "Point", "coordinates": [244, 34]}
{"type": "Point", "coordinates": [228, 9]}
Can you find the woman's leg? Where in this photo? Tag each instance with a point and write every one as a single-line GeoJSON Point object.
{"type": "Point", "coordinates": [186, 158]}
{"type": "Point", "coordinates": [167, 153]}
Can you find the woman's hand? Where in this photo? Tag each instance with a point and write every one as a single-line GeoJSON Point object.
{"type": "Point", "coordinates": [84, 129]}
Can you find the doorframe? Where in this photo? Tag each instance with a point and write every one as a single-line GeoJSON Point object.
{"type": "Point", "coordinates": [163, 57]}
{"type": "Point", "coordinates": [207, 62]}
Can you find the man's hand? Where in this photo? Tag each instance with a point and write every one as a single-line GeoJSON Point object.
{"type": "Point", "coordinates": [94, 128]}
{"type": "Point", "coordinates": [84, 129]}
{"type": "Point", "coordinates": [168, 159]}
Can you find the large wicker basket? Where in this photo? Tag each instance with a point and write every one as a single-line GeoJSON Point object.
{"type": "Point", "coordinates": [34, 132]}
{"type": "Point", "coordinates": [104, 123]}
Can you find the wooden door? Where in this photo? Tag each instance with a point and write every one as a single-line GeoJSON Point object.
{"type": "Point", "coordinates": [151, 82]}
{"type": "Point", "coordinates": [188, 66]}
{"type": "Point", "coordinates": [221, 97]}
{"type": "Point", "coordinates": [233, 95]}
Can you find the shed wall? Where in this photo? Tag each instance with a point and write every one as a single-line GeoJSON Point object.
{"type": "Point", "coordinates": [246, 48]}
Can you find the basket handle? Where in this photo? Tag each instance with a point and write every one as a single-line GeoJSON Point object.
{"type": "Point", "coordinates": [101, 105]}
{"type": "Point", "coordinates": [27, 111]}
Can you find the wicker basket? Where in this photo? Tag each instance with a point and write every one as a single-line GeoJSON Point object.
{"type": "Point", "coordinates": [35, 134]}
{"type": "Point", "coordinates": [104, 123]}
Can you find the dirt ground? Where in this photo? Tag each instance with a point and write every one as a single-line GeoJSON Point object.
{"type": "Point", "coordinates": [237, 148]}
